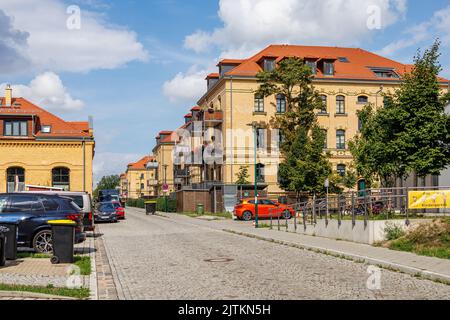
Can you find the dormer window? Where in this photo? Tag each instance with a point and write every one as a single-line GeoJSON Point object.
{"type": "Point", "coordinates": [46, 129]}
{"type": "Point", "coordinates": [212, 82]}
{"type": "Point", "coordinates": [15, 128]}
{"type": "Point", "coordinates": [269, 64]}
{"type": "Point", "coordinates": [312, 65]}
{"type": "Point", "coordinates": [328, 68]}
{"type": "Point", "coordinates": [385, 73]}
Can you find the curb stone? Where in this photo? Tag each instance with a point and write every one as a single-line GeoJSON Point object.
{"type": "Point", "coordinates": [32, 295]}
{"type": "Point", "coordinates": [425, 274]}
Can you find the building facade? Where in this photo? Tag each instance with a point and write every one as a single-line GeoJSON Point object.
{"type": "Point", "coordinates": [140, 179]}
{"type": "Point", "coordinates": [40, 150]}
{"type": "Point", "coordinates": [347, 79]}
{"type": "Point", "coordinates": [163, 153]}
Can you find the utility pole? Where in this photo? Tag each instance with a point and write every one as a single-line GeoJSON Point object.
{"type": "Point", "coordinates": [165, 186]}
{"type": "Point", "coordinates": [255, 137]}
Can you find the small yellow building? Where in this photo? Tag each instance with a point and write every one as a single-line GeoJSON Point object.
{"type": "Point", "coordinates": [140, 179]}
{"type": "Point", "coordinates": [39, 150]}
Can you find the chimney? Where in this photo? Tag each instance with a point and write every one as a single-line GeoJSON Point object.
{"type": "Point", "coordinates": [8, 96]}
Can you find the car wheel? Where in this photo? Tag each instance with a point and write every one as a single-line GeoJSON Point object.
{"type": "Point", "coordinates": [287, 214]}
{"type": "Point", "coordinates": [247, 216]}
{"type": "Point", "coordinates": [42, 241]}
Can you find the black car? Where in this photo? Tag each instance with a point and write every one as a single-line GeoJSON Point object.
{"type": "Point", "coordinates": [105, 211]}
{"type": "Point", "coordinates": [33, 211]}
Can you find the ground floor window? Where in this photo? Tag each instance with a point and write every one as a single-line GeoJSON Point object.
{"type": "Point", "coordinates": [61, 178]}
{"type": "Point", "coordinates": [15, 179]}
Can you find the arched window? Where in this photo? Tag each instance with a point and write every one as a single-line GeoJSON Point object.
{"type": "Point", "coordinates": [324, 108]}
{"type": "Point", "coordinates": [259, 103]}
{"type": "Point", "coordinates": [340, 105]}
{"type": "Point", "coordinates": [61, 178]}
{"type": "Point", "coordinates": [363, 100]}
{"type": "Point", "coordinates": [15, 179]}
{"type": "Point", "coordinates": [341, 169]}
{"type": "Point", "coordinates": [281, 103]}
{"type": "Point", "coordinates": [340, 139]}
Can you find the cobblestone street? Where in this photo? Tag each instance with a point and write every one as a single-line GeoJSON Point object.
{"type": "Point", "coordinates": [154, 257]}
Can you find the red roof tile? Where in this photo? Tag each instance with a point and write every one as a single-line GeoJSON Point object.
{"type": "Point", "coordinates": [358, 66]}
{"type": "Point", "coordinates": [189, 115]}
{"type": "Point", "coordinates": [141, 164]}
{"type": "Point", "coordinates": [59, 127]}
{"type": "Point", "coordinates": [196, 108]}
{"type": "Point", "coordinates": [212, 75]}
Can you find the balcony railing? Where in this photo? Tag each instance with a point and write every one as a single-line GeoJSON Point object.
{"type": "Point", "coordinates": [182, 173]}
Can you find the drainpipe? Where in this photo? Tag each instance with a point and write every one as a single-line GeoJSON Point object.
{"type": "Point", "coordinates": [84, 164]}
{"type": "Point", "coordinates": [231, 127]}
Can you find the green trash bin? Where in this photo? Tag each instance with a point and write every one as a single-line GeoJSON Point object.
{"type": "Point", "coordinates": [63, 238]}
{"type": "Point", "coordinates": [200, 209]}
{"type": "Point", "coordinates": [150, 207]}
{"type": "Point", "coordinates": [3, 246]}
{"type": "Point", "coordinates": [10, 233]}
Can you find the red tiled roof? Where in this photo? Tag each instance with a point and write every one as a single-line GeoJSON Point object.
{"type": "Point", "coordinates": [212, 75]}
{"type": "Point", "coordinates": [196, 108]}
{"type": "Point", "coordinates": [358, 66]}
{"type": "Point", "coordinates": [189, 115]}
{"type": "Point", "coordinates": [230, 61]}
{"type": "Point", "coordinates": [59, 127]}
{"type": "Point", "coordinates": [141, 164]}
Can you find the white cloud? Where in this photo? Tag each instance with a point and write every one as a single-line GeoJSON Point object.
{"type": "Point", "coordinates": [250, 25]}
{"type": "Point", "coordinates": [12, 43]}
{"type": "Point", "coordinates": [437, 26]}
{"type": "Point", "coordinates": [51, 45]}
{"type": "Point", "coordinates": [47, 91]}
{"type": "Point", "coordinates": [186, 87]}
{"type": "Point", "coordinates": [109, 163]}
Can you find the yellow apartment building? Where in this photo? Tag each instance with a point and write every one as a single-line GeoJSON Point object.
{"type": "Point", "coordinates": [140, 179]}
{"type": "Point", "coordinates": [346, 78]}
{"type": "Point", "coordinates": [39, 150]}
{"type": "Point", "coordinates": [163, 154]}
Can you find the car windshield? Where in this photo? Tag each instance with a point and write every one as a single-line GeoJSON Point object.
{"type": "Point", "coordinates": [75, 205]}
{"type": "Point", "coordinates": [106, 207]}
{"type": "Point", "coordinates": [116, 205]}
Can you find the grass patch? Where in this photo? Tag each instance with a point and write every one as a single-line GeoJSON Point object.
{"type": "Point", "coordinates": [82, 293]}
{"type": "Point", "coordinates": [430, 238]}
{"type": "Point", "coordinates": [84, 263]}
{"type": "Point", "coordinates": [23, 255]}
{"type": "Point", "coordinates": [225, 215]}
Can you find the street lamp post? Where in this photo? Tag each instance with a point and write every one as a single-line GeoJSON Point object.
{"type": "Point", "coordinates": [327, 185]}
{"type": "Point", "coordinates": [253, 125]}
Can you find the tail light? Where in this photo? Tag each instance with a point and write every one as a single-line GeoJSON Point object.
{"type": "Point", "coordinates": [90, 216]}
{"type": "Point", "coordinates": [73, 217]}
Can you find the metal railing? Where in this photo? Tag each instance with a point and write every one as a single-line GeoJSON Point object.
{"type": "Point", "coordinates": [370, 204]}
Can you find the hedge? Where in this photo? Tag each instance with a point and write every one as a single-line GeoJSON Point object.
{"type": "Point", "coordinates": [160, 204]}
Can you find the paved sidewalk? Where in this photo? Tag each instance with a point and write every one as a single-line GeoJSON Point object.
{"type": "Point", "coordinates": [40, 272]}
{"type": "Point", "coordinates": [426, 267]}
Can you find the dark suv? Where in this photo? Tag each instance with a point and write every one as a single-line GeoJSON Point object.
{"type": "Point", "coordinates": [32, 211]}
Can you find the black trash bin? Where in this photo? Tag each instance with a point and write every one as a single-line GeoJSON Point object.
{"type": "Point", "coordinates": [63, 238]}
{"type": "Point", "coordinates": [10, 233]}
{"type": "Point", "coordinates": [150, 207]}
{"type": "Point", "coordinates": [3, 230]}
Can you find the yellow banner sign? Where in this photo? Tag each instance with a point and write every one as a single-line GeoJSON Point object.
{"type": "Point", "coordinates": [431, 199]}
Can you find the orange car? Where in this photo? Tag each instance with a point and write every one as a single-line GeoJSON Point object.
{"type": "Point", "coordinates": [245, 209]}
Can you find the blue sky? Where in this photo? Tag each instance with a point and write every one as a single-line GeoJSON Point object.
{"type": "Point", "coordinates": [138, 66]}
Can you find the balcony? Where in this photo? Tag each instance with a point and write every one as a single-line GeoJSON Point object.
{"type": "Point", "coordinates": [213, 118]}
{"type": "Point", "coordinates": [182, 173]}
{"type": "Point", "coordinates": [152, 182]}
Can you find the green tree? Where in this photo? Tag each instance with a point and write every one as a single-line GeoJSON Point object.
{"type": "Point", "coordinates": [107, 183]}
{"type": "Point", "coordinates": [304, 166]}
{"type": "Point", "coordinates": [242, 176]}
{"type": "Point", "coordinates": [411, 132]}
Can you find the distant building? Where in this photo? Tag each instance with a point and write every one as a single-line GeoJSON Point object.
{"type": "Point", "coordinates": [39, 150]}
{"type": "Point", "coordinates": [163, 152]}
{"type": "Point", "coordinates": [140, 179]}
